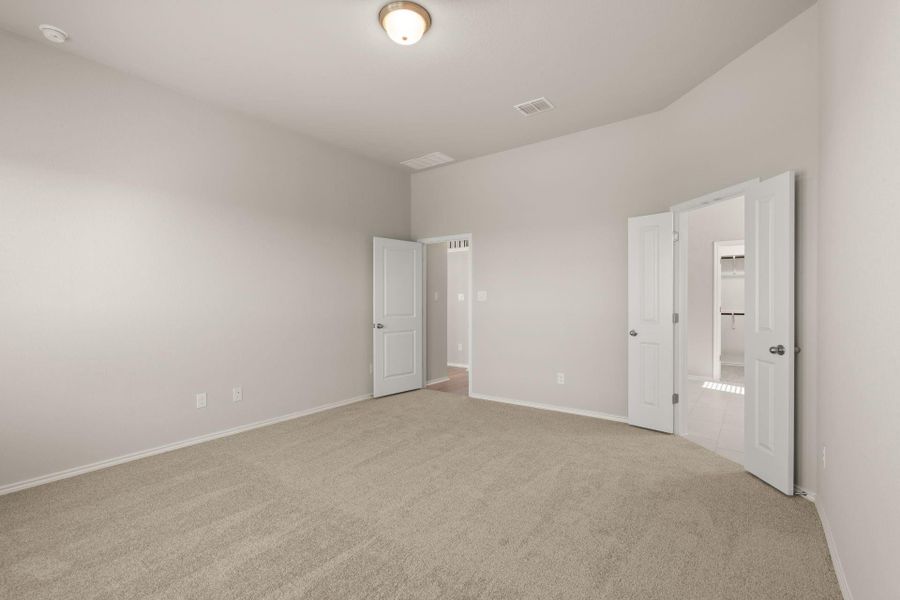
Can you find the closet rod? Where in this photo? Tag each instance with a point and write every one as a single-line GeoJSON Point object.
{"type": "Point", "coordinates": [732, 314]}
{"type": "Point", "coordinates": [731, 257]}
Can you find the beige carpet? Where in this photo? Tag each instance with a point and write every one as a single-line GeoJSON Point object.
{"type": "Point", "coordinates": [421, 495]}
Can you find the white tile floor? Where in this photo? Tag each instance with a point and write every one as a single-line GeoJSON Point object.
{"type": "Point", "coordinates": [716, 418]}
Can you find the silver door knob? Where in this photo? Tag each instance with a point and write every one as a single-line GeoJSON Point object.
{"type": "Point", "coordinates": [632, 333]}
{"type": "Point", "coordinates": [379, 326]}
{"type": "Point", "coordinates": [779, 349]}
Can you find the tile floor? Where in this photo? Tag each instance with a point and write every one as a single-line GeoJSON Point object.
{"type": "Point", "coordinates": [716, 418]}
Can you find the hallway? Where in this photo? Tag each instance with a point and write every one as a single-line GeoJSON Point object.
{"type": "Point", "coordinates": [457, 382]}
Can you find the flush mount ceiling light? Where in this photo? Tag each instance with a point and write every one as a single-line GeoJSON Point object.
{"type": "Point", "coordinates": [404, 22]}
{"type": "Point", "coordinates": [54, 34]}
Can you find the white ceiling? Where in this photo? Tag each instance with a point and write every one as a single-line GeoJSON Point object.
{"type": "Point", "coordinates": [325, 67]}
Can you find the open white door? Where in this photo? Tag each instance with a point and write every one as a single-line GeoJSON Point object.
{"type": "Point", "coordinates": [651, 330]}
{"type": "Point", "coordinates": [397, 322]}
{"type": "Point", "coordinates": [769, 341]}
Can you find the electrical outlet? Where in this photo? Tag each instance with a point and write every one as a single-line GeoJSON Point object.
{"type": "Point", "coordinates": [561, 378]}
{"type": "Point", "coordinates": [482, 296]}
{"type": "Point", "coordinates": [824, 464]}
{"type": "Point", "coordinates": [237, 394]}
{"type": "Point", "coordinates": [460, 297]}
{"type": "Point", "coordinates": [201, 400]}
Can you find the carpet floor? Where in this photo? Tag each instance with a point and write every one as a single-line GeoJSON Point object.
{"type": "Point", "coordinates": [419, 495]}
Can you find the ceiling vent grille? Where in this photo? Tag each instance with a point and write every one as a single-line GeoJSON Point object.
{"type": "Point", "coordinates": [457, 245]}
{"type": "Point", "coordinates": [429, 160]}
{"type": "Point", "coordinates": [533, 107]}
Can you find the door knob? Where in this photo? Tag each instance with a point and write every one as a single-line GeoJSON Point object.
{"type": "Point", "coordinates": [632, 333]}
{"type": "Point", "coordinates": [379, 326]}
{"type": "Point", "coordinates": [779, 349]}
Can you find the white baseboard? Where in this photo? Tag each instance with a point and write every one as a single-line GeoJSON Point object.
{"type": "Point", "coordinates": [110, 462]}
{"type": "Point", "coordinates": [804, 493]}
{"type": "Point", "coordinates": [438, 380]}
{"type": "Point", "coordinates": [835, 557]}
{"type": "Point", "coordinates": [552, 407]}
{"type": "Point", "coordinates": [693, 377]}
{"type": "Point", "coordinates": [458, 365]}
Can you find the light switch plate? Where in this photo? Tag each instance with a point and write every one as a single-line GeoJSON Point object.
{"type": "Point", "coordinates": [461, 297]}
{"type": "Point", "coordinates": [237, 394]}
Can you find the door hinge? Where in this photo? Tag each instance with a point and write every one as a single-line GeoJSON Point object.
{"type": "Point", "coordinates": [675, 237]}
{"type": "Point", "coordinates": [674, 317]}
{"type": "Point", "coordinates": [675, 398]}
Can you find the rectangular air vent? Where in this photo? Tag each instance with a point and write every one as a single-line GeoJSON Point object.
{"type": "Point", "coordinates": [533, 107]}
{"type": "Point", "coordinates": [429, 160]}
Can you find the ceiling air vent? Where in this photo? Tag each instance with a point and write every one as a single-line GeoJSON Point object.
{"type": "Point", "coordinates": [533, 107]}
{"type": "Point", "coordinates": [429, 160]}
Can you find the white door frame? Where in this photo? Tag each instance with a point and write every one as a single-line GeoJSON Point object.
{"type": "Point", "coordinates": [681, 285]}
{"type": "Point", "coordinates": [437, 240]}
{"type": "Point", "coordinates": [719, 250]}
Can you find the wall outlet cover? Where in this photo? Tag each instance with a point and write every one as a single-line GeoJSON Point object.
{"type": "Point", "coordinates": [237, 394]}
{"type": "Point", "coordinates": [561, 378]}
{"type": "Point", "coordinates": [482, 296]}
{"type": "Point", "coordinates": [201, 400]}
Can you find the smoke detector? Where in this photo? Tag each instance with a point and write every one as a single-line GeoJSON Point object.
{"type": "Point", "coordinates": [533, 107]}
{"type": "Point", "coordinates": [54, 34]}
{"type": "Point", "coordinates": [429, 160]}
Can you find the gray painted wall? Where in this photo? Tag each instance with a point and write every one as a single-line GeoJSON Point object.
{"type": "Point", "coordinates": [723, 221]}
{"type": "Point", "coordinates": [436, 315]}
{"type": "Point", "coordinates": [458, 310]}
{"type": "Point", "coordinates": [550, 221]}
{"type": "Point", "coordinates": [859, 293]}
{"type": "Point", "coordinates": [153, 247]}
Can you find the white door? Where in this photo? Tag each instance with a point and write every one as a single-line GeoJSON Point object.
{"type": "Point", "coordinates": [396, 316]}
{"type": "Point", "coordinates": [769, 342]}
{"type": "Point", "coordinates": [651, 332]}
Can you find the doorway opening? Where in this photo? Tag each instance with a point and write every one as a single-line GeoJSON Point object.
{"type": "Point", "coordinates": [713, 393]}
{"type": "Point", "coordinates": [448, 330]}
{"type": "Point", "coordinates": [659, 320]}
